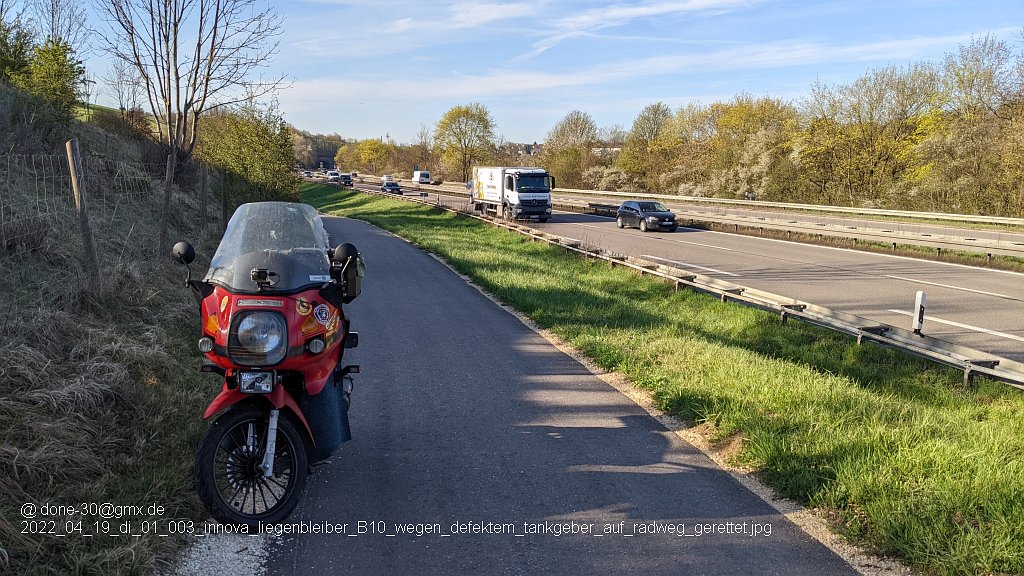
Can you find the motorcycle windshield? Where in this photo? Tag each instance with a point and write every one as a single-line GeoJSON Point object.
{"type": "Point", "coordinates": [285, 239]}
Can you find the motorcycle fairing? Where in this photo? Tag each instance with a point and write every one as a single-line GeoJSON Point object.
{"type": "Point", "coordinates": [219, 307]}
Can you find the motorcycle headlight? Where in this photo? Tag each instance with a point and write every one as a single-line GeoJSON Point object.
{"type": "Point", "coordinates": [261, 338]}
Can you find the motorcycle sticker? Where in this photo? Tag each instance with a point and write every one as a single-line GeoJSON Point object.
{"type": "Point", "coordinates": [322, 314]}
{"type": "Point", "coordinates": [302, 307]}
{"type": "Point", "coordinates": [332, 326]}
{"type": "Point", "coordinates": [223, 304]}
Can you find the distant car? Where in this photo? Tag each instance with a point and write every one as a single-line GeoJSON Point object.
{"type": "Point", "coordinates": [391, 187]}
{"type": "Point", "coordinates": [646, 215]}
{"type": "Point", "coordinates": [307, 174]}
{"type": "Point", "coordinates": [333, 176]}
{"type": "Point", "coordinates": [345, 179]}
{"type": "Point", "coordinates": [421, 177]}
{"type": "Point", "coordinates": [386, 178]}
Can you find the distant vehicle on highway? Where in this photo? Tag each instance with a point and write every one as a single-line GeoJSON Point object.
{"type": "Point", "coordinates": [307, 174]}
{"type": "Point", "coordinates": [345, 179]}
{"type": "Point", "coordinates": [646, 215]}
{"type": "Point", "coordinates": [391, 187]}
{"type": "Point", "coordinates": [421, 177]}
{"type": "Point", "coordinates": [386, 178]}
{"type": "Point", "coordinates": [333, 176]}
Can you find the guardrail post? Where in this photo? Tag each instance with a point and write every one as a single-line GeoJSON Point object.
{"type": "Point", "coordinates": [919, 303]}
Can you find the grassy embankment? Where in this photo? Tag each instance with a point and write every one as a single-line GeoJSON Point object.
{"type": "Point", "coordinates": [100, 394]}
{"type": "Point", "coordinates": [894, 450]}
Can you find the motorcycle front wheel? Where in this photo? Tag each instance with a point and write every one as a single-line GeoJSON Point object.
{"type": "Point", "coordinates": [230, 481]}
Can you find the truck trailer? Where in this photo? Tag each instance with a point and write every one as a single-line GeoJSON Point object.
{"type": "Point", "coordinates": [512, 192]}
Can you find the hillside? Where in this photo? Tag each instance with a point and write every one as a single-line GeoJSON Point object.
{"type": "Point", "coordinates": [100, 391]}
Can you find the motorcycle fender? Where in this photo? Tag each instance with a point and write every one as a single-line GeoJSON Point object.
{"type": "Point", "coordinates": [278, 398]}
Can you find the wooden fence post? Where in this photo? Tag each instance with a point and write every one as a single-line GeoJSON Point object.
{"type": "Point", "coordinates": [75, 165]}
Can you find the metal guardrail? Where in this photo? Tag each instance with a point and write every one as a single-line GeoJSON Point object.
{"type": "Point", "coordinates": [810, 207]}
{"type": "Point", "coordinates": [972, 362]}
{"type": "Point", "coordinates": [459, 187]}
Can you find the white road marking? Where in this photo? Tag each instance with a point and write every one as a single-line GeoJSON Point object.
{"type": "Point", "coordinates": [959, 325]}
{"type": "Point", "coordinates": [687, 264]}
{"type": "Point", "coordinates": [996, 294]}
{"type": "Point", "coordinates": [861, 252]}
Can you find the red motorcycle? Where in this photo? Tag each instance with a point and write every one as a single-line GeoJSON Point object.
{"type": "Point", "coordinates": [274, 329]}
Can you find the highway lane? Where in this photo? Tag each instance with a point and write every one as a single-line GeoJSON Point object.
{"type": "Point", "coordinates": [1004, 235]}
{"type": "Point", "coordinates": [975, 307]}
{"type": "Point", "coordinates": [463, 416]}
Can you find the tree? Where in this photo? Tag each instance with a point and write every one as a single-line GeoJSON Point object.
{"type": "Point", "coordinates": [126, 85]}
{"type": "Point", "coordinates": [569, 148]}
{"type": "Point", "coordinates": [967, 147]}
{"type": "Point", "coordinates": [423, 149]}
{"type": "Point", "coordinates": [191, 56]}
{"type": "Point", "coordinates": [373, 154]}
{"type": "Point", "coordinates": [647, 146]}
{"type": "Point", "coordinates": [16, 46]}
{"type": "Point", "coordinates": [749, 140]}
{"type": "Point", "coordinates": [53, 74]}
{"type": "Point", "coordinates": [251, 146]}
{"type": "Point", "coordinates": [464, 136]}
{"type": "Point", "coordinates": [61, 19]}
{"type": "Point", "coordinates": [347, 157]}
{"type": "Point", "coordinates": [865, 133]}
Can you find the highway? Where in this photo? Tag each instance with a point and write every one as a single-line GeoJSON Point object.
{"type": "Point", "coordinates": [502, 455]}
{"type": "Point", "coordinates": [975, 307]}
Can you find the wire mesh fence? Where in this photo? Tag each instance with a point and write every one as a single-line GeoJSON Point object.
{"type": "Point", "coordinates": [41, 243]}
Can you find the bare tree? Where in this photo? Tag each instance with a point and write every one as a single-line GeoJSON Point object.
{"type": "Point", "coordinates": [126, 84]}
{"type": "Point", "coordinates": [62, 19]}
{"type": "Point", "coordinates": [192, 56]}
{"type": "Point", "coordinates": [424, 146]}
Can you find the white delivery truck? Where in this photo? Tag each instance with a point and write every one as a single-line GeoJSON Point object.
{"type": "Point", "coordinates": [512, 192]}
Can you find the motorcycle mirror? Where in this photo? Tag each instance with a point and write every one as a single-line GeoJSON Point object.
{"type": "Point", "coordinates": [343, 252]}
{"type": "Point", "coordinates": [184, 252]}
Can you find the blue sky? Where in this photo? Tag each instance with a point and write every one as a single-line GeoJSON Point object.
{"type": "Point", "coordinates": [370, 68]}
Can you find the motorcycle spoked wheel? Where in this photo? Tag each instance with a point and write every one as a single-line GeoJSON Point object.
{"type": "Point", "coordinates": [228, 475]}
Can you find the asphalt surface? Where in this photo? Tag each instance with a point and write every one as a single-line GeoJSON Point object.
{"type": "Point", "coordinates": [975, 307]}
{"type": "Point", "coordinates": [467, 422]}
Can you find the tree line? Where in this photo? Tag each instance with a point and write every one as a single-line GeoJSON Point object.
{"type": "Point", "coordinates": [943, 136]}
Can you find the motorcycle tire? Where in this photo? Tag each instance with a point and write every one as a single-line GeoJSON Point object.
{"type": "Point", "coordinates": [230, 483]}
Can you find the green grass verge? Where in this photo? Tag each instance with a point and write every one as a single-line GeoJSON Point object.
{"type": "Point", "coordinates": [895, 450]}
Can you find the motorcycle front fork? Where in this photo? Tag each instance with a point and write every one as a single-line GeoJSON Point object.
{"type": "Point", "coordinates": [268, 455]}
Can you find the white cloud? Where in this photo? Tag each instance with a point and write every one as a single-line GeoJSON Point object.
{"type": "Point", "coordinates": [749, 57]}
{"type": "Point", "coordinates": [471, 15]}
{"type": "Point", "coordinates": [585, 23]}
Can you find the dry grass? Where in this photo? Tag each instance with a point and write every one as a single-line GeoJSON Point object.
{"type": "Point", "coordinates": [100, 393]}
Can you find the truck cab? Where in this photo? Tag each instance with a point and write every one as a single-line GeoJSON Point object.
{"type": "Point", "coordinates": [513, 192]}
